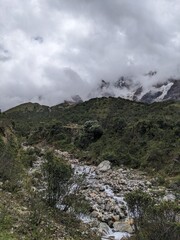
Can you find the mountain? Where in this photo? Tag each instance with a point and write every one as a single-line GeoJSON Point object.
{"type": "Point", "coordinates": [28, 107]}
{"type": "Point", "coordinates": [127, 88]}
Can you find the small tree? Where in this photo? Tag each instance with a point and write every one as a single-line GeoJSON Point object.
{"type": "Point", "coordinates": [153, 220]}
{"type": "Point", "coordinates": [10, 167]}
{"type": "Point", "coordinates": [138, 202]}
{"type": "Point", "coordinates": [57, 173]}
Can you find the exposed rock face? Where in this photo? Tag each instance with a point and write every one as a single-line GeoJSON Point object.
{"type": "Point", "coordinates": [150, 96]}
{"type": "Point", "coordinates": [174, 91]}
{"type": "Point", "coordinates": [77, 99]}
{"type": "Point", "coordinates": [123, 82]}
{"type": "Point", "coordinates": [126, 88]}
{"type": "Point", "coordinates": [104, 84]}
{"type": "Point", "coordinates": [169, 90]}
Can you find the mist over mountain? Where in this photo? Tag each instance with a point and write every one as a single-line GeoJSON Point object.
{"type": "Point", "coordinates": [53, 49]}
{"type": "Point", "coordinates": [89, 119]}
{"type": "Point", "coordinates": [149, 90]}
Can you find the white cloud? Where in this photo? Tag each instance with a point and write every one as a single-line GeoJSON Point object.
{"type": "Point", "coordinates": [52, 49]}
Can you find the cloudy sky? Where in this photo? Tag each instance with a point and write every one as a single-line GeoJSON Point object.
{"type": "Point", "coordinates": [53, 49]}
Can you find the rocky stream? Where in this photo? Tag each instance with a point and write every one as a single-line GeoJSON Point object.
{"type": "Point", "coordinates": [105, 188]}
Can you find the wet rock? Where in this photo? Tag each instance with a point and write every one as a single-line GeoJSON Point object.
{"type": "Point", "coordinates": [123, 227]}
{"type": "Point", "coordinates": [105, 190]}
{"type": "Point", "coordinates": [104, 166]}
{"type": "Point", "coordinates": [104, 229]}
{"type": "Point", "coordinates": [102, 189]}
{"type": "Point", "coordinates": [95, 214]}
{"type": "Point", "coordinates": [115, 218]}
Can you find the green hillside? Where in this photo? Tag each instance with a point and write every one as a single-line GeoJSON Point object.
{"type": "Point", "coordinates": [122, 131]}
{"type": "Point", "coordinates": [24, 213]}
{"type": "Point", "coordinates": [28, 107]}
{"type": "Point", "coordinates": [126, 133]}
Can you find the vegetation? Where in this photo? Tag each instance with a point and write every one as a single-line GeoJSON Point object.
{"type": "Point", "coordinates": [58, 174]}
{"type": "Point", "coordinates": [23, 212]}
{"type": "Point", "coordinates": [90, 132]}
{"type": "Point", "coordinates": [153, 220]}
{"type": "Point", "coordinates": [124, 132]}
{"type": "Point", "coordinates": [10, 166]}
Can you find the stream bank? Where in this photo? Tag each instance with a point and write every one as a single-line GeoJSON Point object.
{"type": "Point", "coordinates": [105, 188]}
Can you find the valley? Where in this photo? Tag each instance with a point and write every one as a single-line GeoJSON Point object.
{"type": "Point", "coordinates": [73, 171]}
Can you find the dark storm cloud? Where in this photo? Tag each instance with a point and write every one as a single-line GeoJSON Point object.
{"type": "Point", "coordinates": [53, 49]}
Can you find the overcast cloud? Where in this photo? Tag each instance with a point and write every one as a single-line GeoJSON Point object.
{"type": "Point", "coordinates": [53, 49]}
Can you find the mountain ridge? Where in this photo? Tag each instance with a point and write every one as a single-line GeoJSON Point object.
{"type": "Point", "coordinates": [126, 88]}
{"type": "Point", "coordinates": [167, 91]}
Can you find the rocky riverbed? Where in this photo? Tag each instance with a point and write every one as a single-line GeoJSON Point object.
{"type": "Point", "coordinates": [104, 188]}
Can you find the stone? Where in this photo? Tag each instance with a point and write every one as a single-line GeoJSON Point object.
{"type": "Point", "coordinates": [108, 207]}
{"type": "Point", "coordinates": [104, 166]}
{"type": "Point", "coordinates": [169, 197]}
{"type": "Point", "coordinates": [101, 189]}
{"type": "Point", "coordinates": [104, 229]}
{"type": "Point", "coordinates": [95, 214]}
{"type": "Point", "coordinates": [115, 218]}
{"type": "Point", "coordinates": [110, 223]}
{"type": "Point", "coordinates": [107, 218]}
{"type": "Point", "coordinates": [95, 206]}
{"type": "Point", "coordinates": [123, 215]}
{"type": "Point", "coordinates": [123, 227]}
{"type": "Point", "coordinates": [149, 184]}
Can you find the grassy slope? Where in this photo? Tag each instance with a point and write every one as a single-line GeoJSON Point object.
{"type": "Point", "coordinates": [23, 214]}
{"type": "Point", "coordinates": [135, 134]}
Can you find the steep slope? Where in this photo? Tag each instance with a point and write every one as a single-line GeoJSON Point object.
{"type": "Point", "coordinates": [128, 88]}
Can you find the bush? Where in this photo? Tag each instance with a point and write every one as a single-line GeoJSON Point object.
{"type": "Point", "coordinates": [153, 221]}
{"type": "Point", "coordinates": [138, 202]}
{"type": "Point", "coordinates": [90, 133]}
{"type": "Point", "coordinates": [57, 173]}
{"type": "Point", "coordinates": [10, 167]}
{"type": "Point", "coordinates": [175, 183]}
{"type": "Point", "coordinates": [28, 158]}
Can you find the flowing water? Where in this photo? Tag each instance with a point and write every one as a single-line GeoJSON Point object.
{"type": "Point", "coordinates": [90, 175]}
{"type": "Point", "coordinates": [91, 182]}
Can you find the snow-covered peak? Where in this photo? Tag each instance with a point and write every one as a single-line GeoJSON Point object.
{"type": "Point", "coordinates": [147, 88]}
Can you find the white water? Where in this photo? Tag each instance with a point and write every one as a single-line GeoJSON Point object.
{"type": "Point", "coordinates": [90, 175]}
{"type": "Point", "coordinates": [116, 235]}
{"type": "Point", "coordinates": [110, 193]}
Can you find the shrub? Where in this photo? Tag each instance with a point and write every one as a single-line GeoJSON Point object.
{"type": "Point", "coordinates": [90, 133]}
{"type": "Point", "coordinates": [10, 167]}
{"type": "Point", "coordinates": [57, 173]}
{"type": "Point", "coordinates": [138, 202]}
{"type": "Point", "coordinates": [153, 221]}
{"type": "Point", "coordinates": [28, 158]}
